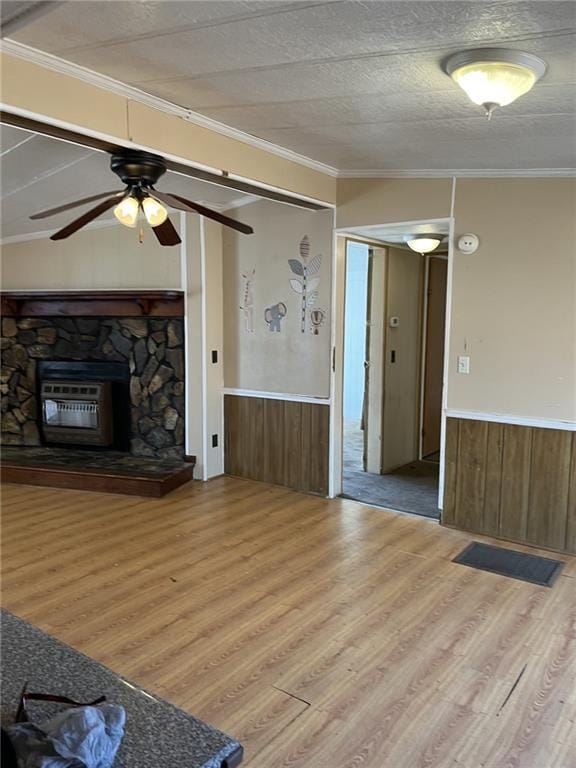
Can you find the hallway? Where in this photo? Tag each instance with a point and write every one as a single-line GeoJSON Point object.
{"type": "Point", "coordinates": [411, 488]}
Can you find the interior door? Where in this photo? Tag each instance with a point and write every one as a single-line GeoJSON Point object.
{"type": "Point", "coordinates": [434, 356]}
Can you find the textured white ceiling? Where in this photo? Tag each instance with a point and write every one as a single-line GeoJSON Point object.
{"type": "Point", "coordinates": [38, 172]}
{"type": "Point", "coordinates": [355, 84]}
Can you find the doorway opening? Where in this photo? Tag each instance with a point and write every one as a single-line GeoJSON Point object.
{"type": "Point", "coordinates": [394, 332]}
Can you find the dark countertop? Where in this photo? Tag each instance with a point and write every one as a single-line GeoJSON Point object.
{"type": "Point", "coordinates": [157, 734]}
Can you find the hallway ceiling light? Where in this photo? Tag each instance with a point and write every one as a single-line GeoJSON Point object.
{"type": "Point", "coordinates": [424, 243]}
{"type": "Point", "coordinates": [494, 77]}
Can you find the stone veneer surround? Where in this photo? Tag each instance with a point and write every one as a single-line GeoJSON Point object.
{"type": "Point", "coordinates": [152, 347]}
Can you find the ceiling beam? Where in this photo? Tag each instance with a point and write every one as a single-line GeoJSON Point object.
{"type": "Point", "coordinates": [223, 180]}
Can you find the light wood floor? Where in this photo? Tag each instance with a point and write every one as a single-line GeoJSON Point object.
{"type": "Point", "coordinates": [320, 633]}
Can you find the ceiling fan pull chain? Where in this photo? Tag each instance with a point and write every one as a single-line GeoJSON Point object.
{"type": "Point", "coordinates": [141, 235]}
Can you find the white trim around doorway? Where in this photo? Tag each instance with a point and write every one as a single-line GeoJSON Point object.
{"type": "Point", "coordinates": [340, 235]}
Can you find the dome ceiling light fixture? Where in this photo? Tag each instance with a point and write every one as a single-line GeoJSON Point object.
{"type": "Point", "coordinates": [423, 243]}
{"type": "Point", "coordinates": [494, 77]}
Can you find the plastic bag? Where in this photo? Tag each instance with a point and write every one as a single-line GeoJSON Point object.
{"type": "Point", "coordinates": [82, 737]}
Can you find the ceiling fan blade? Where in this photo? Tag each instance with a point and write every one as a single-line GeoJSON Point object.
{"type": "Point", "coordinates": [187, 205]}
{"type": "Point", "coordinates": [166, 233]}
{"type": "Point", "coordinates": [86, 218]}
{"type": "Point", "coordinates": [74, 204]}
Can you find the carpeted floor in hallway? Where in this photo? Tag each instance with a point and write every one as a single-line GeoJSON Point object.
{"type": "Point", "coordinates": [412, 488]}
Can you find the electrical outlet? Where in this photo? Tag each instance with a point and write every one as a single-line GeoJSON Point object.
{"type": "Point", "coordinates": [463, 364]}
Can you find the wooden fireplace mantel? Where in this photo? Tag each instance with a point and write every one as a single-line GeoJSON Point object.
{"type": "Point", "coordinates": [99, 303]}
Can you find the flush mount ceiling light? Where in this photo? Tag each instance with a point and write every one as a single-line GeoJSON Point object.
{"type": "Point", "coordinates": [424, 243]}
{"type": "Point", "coordinates": [494, 77]}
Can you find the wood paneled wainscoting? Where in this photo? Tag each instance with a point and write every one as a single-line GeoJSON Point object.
{"type": "Point", "coordinates": [277, 441]}
{"type": "Point", "coordinates": [510, 481]}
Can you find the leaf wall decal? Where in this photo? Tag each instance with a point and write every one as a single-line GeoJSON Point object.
{"type": "Point", "coordinates": [312, 298]}
{"type": "Point", "coordinates": [296, 266]}
{"type": "Point", "coordinates": [313, 283]}
{"type": "Point", "coordinates": [296, 285]}
{"type": "Point", "coordinates": [314, 264]}
{"type": "Point", "coordinates": [305, 247]}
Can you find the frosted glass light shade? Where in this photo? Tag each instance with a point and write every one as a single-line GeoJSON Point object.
{"type": "Point", "coordinates": [495, 77]}
{"type": "Point", "coordinates": [424, 244]}
{"type": "Point", "coordinates": [127, 211]}
{"type": "Point", "coordinates": [155, 213]}
{"type": "Point", "coordinates": [494, 82]}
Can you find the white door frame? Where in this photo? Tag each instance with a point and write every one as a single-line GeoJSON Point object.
{"type": "Point", "coordinates": [424, 329]}
{"type": "Point", "coordinates": [338, 299]}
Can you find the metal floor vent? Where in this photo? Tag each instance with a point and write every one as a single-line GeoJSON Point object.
{"type": "Point", "coordinates": [508, 562]}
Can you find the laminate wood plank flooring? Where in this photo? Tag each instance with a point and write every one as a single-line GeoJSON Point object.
{"type": "Point", "coordinates": [320, 633]}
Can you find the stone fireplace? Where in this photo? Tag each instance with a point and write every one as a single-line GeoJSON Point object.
{"type": "Point", "coordinates": [124, 349]}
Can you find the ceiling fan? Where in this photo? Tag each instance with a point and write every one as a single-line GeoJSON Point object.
{"type": "Point", "coordinates": [139, 171]}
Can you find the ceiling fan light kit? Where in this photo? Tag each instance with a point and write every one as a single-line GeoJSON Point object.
{"type": "Point", "coordinates": [494, 77]}
{"type": "Point", "coordinates": [127, 211]}
{"type": "Point", "coordinates": [154, 211]}
{"type": "Point", "coordinates": [139, 171]}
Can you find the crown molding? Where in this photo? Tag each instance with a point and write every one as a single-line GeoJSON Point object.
{"type": "Point", "coordinates": [48, 61]}
{"type": "Point", "coordinates": [254, 141]}
{"type": "Point", "coordinates": [461, 173]}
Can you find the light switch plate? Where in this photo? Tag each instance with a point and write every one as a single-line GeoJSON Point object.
{"type": "Point", "coordinates": [463, 364]}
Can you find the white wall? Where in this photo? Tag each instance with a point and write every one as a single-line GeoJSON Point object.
{"type": "Point", "coordinates": [106, 257]}
{"type": "Point", "coordinates": [363, 202]}
{"type": "Point", "coordinates": [204, 310]}
{"type": "Point", "coordinates": [514, 300]}
{"type": "Point", "coordinates": [214, 314]}
{"type": "Point", "coordinates": [257, 358]}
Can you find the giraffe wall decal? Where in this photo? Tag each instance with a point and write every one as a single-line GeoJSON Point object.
{"type": "Point", "coordinates": [247, 305]}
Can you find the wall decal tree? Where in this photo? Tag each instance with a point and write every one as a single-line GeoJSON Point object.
{"type": "Point", "coordinates": [306, 284]}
